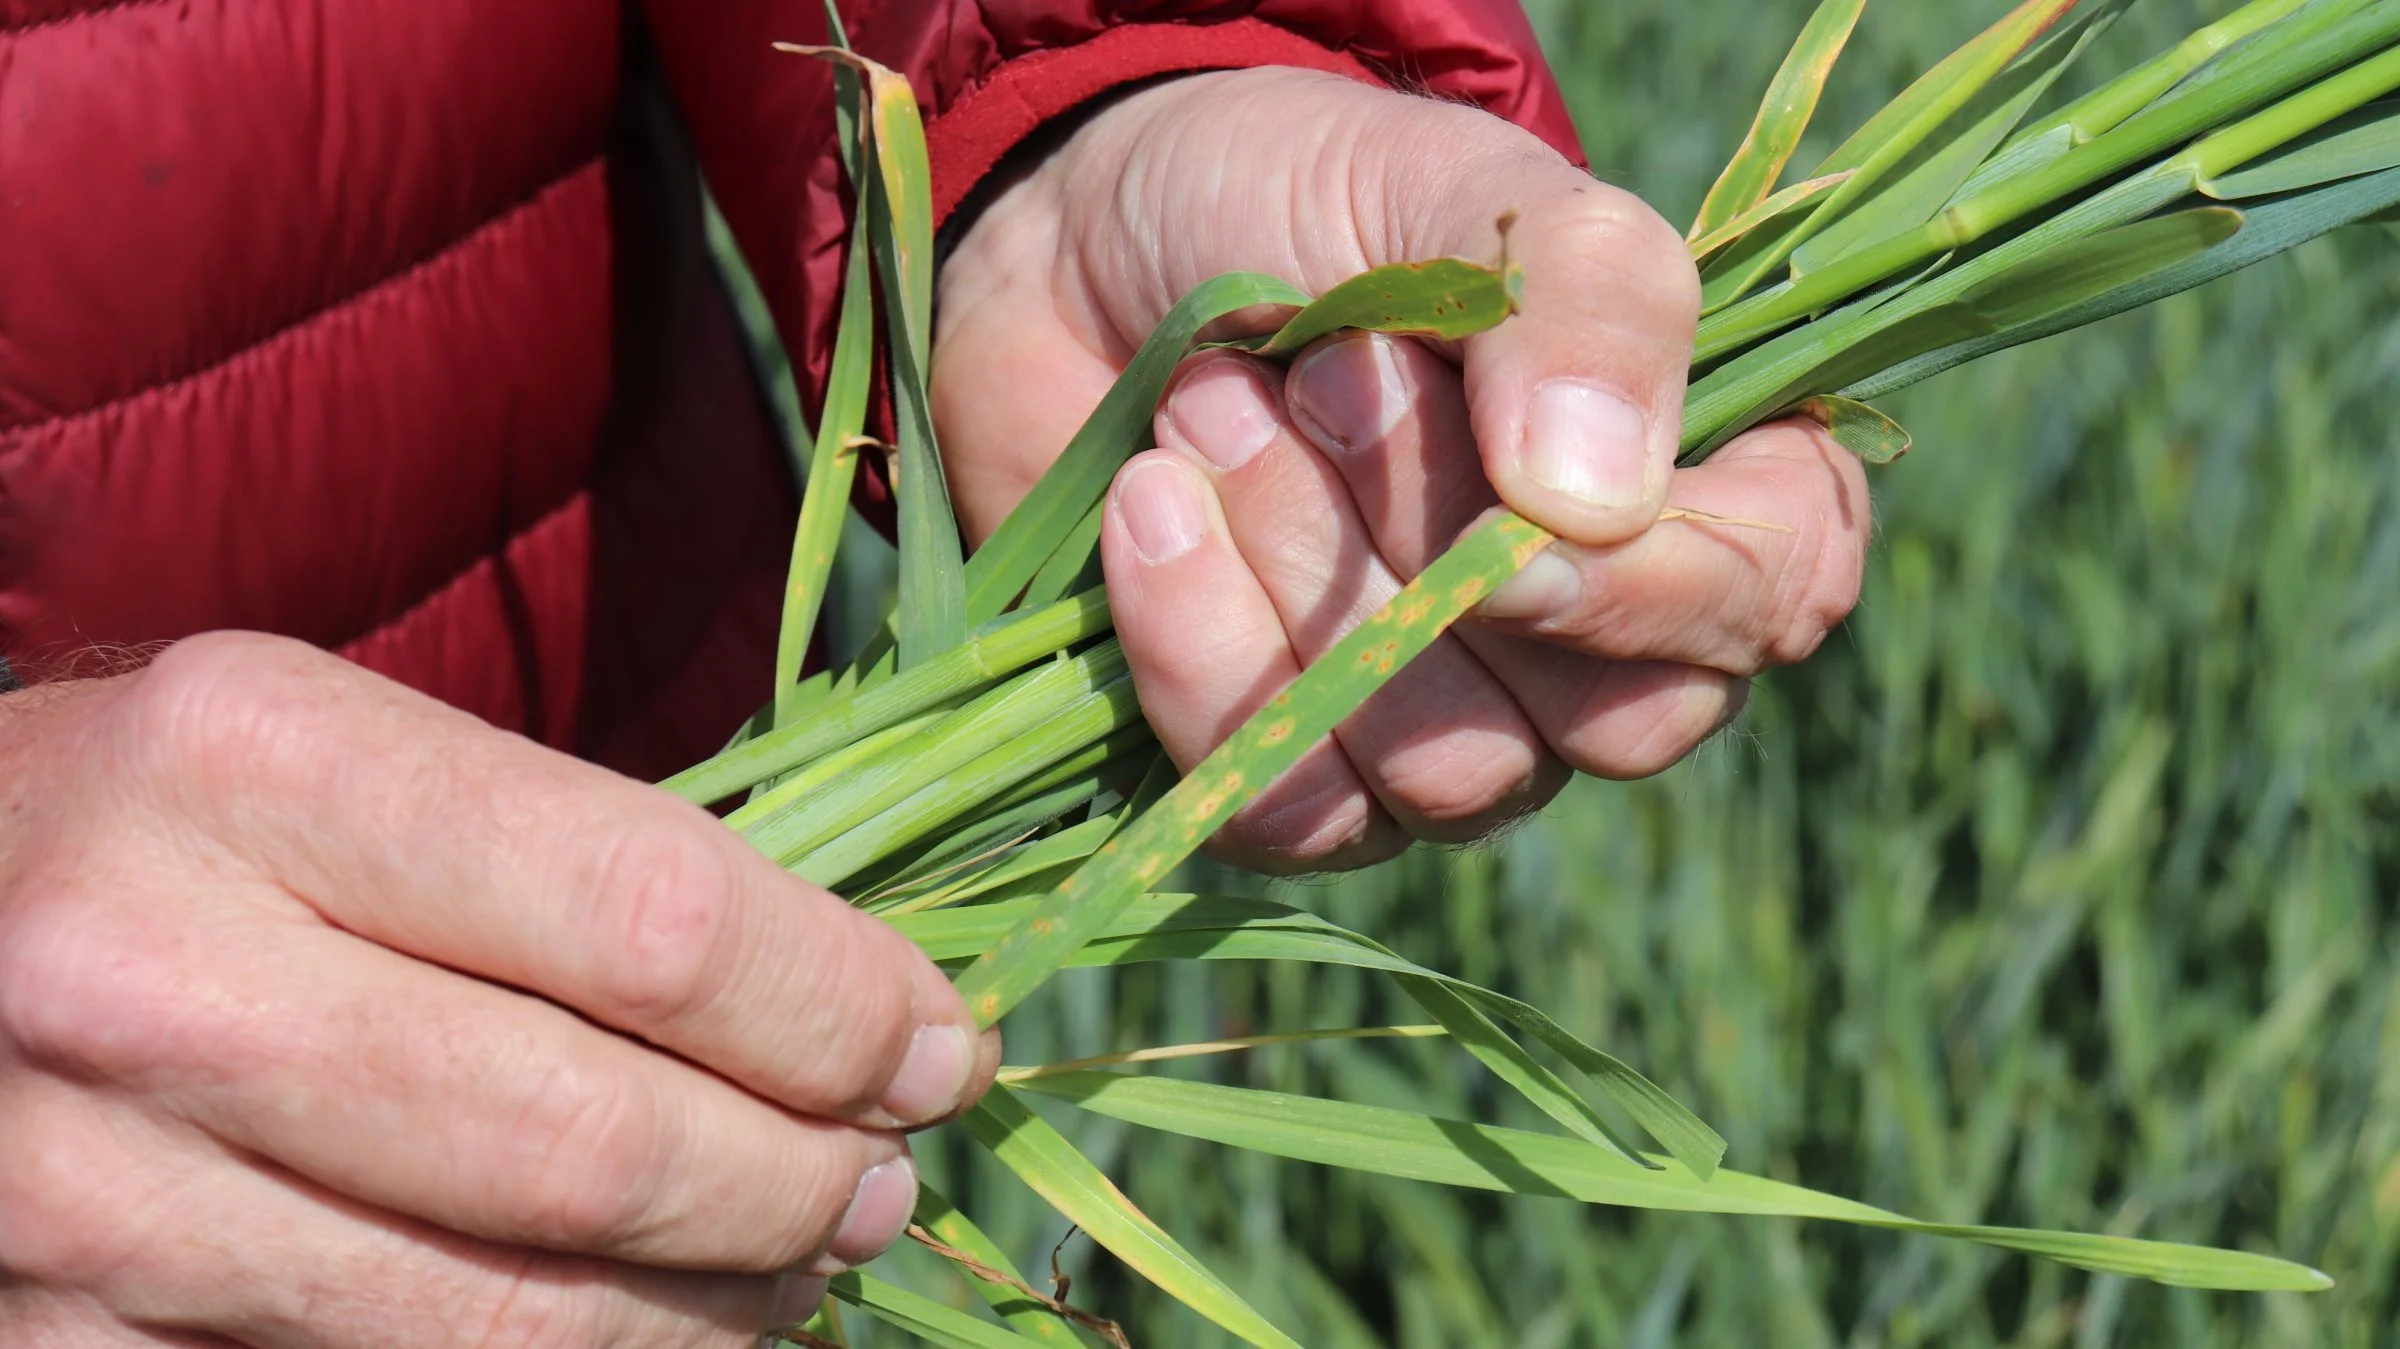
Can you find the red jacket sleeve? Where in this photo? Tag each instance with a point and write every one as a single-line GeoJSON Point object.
{"type": "Point", "coordinates": [990, 73]}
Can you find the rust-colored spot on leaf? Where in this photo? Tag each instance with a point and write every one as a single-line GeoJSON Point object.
{"type": "Point", "coordinates": [1415, 611]}
{"type": "Point", "coordinates": [1277, 733]}
{"type": "Point", "coordinates": [1043, 927]}
{"type": "Point", "coordinates": [1469, 591]}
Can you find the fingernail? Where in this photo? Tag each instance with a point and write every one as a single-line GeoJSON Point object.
{"type": "Point", "coordinates": [1347, 396]}
{"type": "Point", "coordinates": [933, 1074]}
{"type": "Point", "coordinates": [878, 1213]}
{"type": "Point", "coordinates": [797, 1297]}
{"type": "Point", "coordinates": [1223, 411]}
{"type": "Point", "coordinates": [1162, 511]}
{"type": "Point", "coordinates": [1587, 443]}
{"type": "Point", "coordinates": [1545, 587]}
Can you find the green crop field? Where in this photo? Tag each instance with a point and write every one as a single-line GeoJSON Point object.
{"type": "Point", "coordinates": [2058, 889]}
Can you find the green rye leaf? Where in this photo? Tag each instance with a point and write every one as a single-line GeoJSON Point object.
{"type": "Point", "coordinates": [1452, 1152]}
{"type": "Point", "coordinates": [1055, 1170]}
{"type": "Point", "coordinates": [1783, 116]}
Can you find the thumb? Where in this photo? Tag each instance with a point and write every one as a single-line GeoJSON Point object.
{"type": "Point", "coordinates": [1577, 402]}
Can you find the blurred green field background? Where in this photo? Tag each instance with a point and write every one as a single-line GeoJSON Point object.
{"type": "Point", "coordinates": [2058, 889]}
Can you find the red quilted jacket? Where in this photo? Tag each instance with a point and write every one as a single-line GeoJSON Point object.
{"type": "Point", "coordinates": [387, 323]}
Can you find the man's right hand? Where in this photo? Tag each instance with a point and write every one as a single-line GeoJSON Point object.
{"type": "Point", "coordinates": [332, 1016]}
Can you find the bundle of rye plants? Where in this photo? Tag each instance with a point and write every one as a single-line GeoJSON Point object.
{"type": "Point", "coordinates": [980, 774]}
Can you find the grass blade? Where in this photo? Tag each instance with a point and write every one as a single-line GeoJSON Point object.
{"type": "Point", "coordinates": [923, 1317]}
{"type": "Point", "coordinates": [847, 717]}
{"type": "Point", "coordinates": [954, 1229]}
{"type": "Point", "coordinates": [1937, 169]}
{"type": "Point", "coordinates": [1452, 1152]}
{"type": "Point", "coordinates": [1480, 1036]}
{"type": "Point", "coordinates": [1788, 200]}
{"type": "Point", "coordinates": [2063, 264]}
{"type": "Point", "coordinates": [2268, 228]}
{"type": "Point", "coordinates": [832, 469]}
{"type": "Point", "coordinates": [1783, 116]}
{"type": "Point", "coordinates": [1213, 927]}
{"type": "Point", "coordinates": [990, 721]}
{"type": "Point", "coordinates": [1055, 1170]}
{"type": "Point", "coordinates": [1891, 135]}
{"type": "Point", "coordinates": [2366, 141]}
{"type": "Point", "coordinates": [898, 206]}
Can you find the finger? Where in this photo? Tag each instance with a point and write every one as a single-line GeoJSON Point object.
{"type": "Point", "coordinates": [1732, 596]}
{"type": "Point", "coordinates": [1442, 745]}
{"type": "Point", "coordinates": [1615, 719]}
{"type": "Point", "coordinates": [1207, 650]}
{"type": "Point", "coordinates": [422, 829]}
{"type": "Point", "coordinates": [195, 1243]}
{"type": "Point", "coordinates": [1577, 401]}
{"type": "Point", "coordinates": [482, 1110]}
{"type": "Point", "coordinates": [1391, 415]}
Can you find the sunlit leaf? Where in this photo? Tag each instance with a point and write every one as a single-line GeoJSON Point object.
{"type": "Point", "coordinates": [1783, 116]}
{"type": "Point", "coordinates": [1055, 1170]}
{"type": "Point", "coordinates": [1441, 297]}
{"type": "Point", "coordinates": [1453, 1152]}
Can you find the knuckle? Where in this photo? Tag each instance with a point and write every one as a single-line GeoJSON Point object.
{"type": "Point", "coordinates": [664, 923]}
{"type": "Point", "coordinates": [862, 989]}
{"type": "Point", "coordinates": [1617, 243]}
{"type": "Point", "coordinates": [520, 1308]}
{"type": "Point", "coordinates": [1654, 733]}
{"type": "Point", "coordinates": [596, 1145]}
{"type": "Point", "coordinates": [222, 705]}
{"type": "Point", "coordinates": [56, 1235]}
{"type": "Point", "coordinates": [97, 998]}
{"type": "Point", "coordinates": [1464, 784]}
{"type": "Point", "coordinates": [1818, 587]}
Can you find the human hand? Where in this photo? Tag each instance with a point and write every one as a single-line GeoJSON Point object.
{"type": "Point", "coordinates": [331, 1016]}
{"type": "Point", "coordinates": [1282, 509]}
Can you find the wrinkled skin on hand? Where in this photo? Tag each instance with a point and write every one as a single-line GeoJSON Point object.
{"type": "Point", "coordinates": [1281, 506]}
{"type": "Point", "coordinates": [332, 1016]}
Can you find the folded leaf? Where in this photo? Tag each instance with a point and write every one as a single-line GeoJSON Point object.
{"type": "Point", "coordinates": [1855, 427]}
{"type": "Point", "coordinates": [1452, 1152]}
{"type": "Point", "coordinates": [1443, 297]}
{"type": "Point", "coordinates": [1217, 927]}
